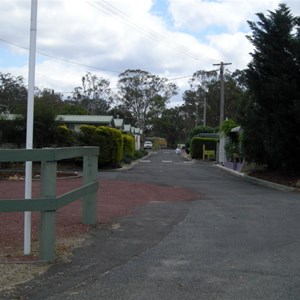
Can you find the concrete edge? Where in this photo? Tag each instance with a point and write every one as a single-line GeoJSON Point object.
{"type": "Point", "coordinates": [133, 163]}
{"type": "Point", "coordinates": [258, 181]}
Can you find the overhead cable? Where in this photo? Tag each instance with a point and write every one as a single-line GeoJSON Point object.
{"type": "Point", "coordinates": [115, 13]}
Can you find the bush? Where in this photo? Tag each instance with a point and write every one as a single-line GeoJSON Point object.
{"type": "Point", "coordinates": [109, 141]}
{"type": "Point", "coordinates": [200, 129]}
{"type": "Point", "coordinates": [128, 146]}
{"type": "Point", "coordinates": [140, 154]}
{"type": "Point", "coordinates": [64, 136]}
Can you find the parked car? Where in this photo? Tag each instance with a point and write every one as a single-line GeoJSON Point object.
{"type": "Point", "coordinates": [148, 145]}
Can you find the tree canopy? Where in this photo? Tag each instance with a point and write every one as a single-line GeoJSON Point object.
{"type": "Point", "coordinates": [13, 93]}
{"type": "Point", "coordinates": [94, 95]}
{"type": "Point", "coordinates": [202, 101]}
{"type": "Point", "coordinates": [270, 116]}
{"type": "Point", "coordinates": [145, 95]}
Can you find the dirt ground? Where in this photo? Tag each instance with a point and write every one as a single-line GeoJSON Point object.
{"type": "Point", "coordinates": [115, 199]}
{"type": "Point", "coordinates": [292, 180]}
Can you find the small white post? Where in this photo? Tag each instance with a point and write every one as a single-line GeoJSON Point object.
{"type": "Point", "coordinates": [29, 128]}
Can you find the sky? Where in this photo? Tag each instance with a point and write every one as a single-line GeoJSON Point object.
{"type": "Point", "coordinates": [168, 38]}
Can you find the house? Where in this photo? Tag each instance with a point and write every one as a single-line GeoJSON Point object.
{"type": "Point", "coordinates": [118, 123]}
{"type": "Point", "coordinates": [137, 132]}
{"type": "Point", "coordinates": [74, 122]}
{"type": "Point", "coordinates": [127, 128]}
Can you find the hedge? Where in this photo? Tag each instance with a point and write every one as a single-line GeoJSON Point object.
{"type": "Point", "coordinates": [109, 140]}
{"type": "Point", "coordinates": [197, 146]}
{"type": "Point", "coordinates": [128, 146]}
{"type": "Point", "coordinates": [64, 136]}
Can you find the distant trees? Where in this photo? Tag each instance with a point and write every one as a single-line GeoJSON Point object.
{"type": "Point", "coordinates": [13, 93]}
{"type": "Point", "coordinates": [270, 116]}
{"type": "Point", "coordinates": [202, 101]}
{"type": "Point", "coordinates": [144, 95]}
{"type": "Point", "coordinates": [94, 95]}
{"type": "Point", "coordinates": [171, 124]}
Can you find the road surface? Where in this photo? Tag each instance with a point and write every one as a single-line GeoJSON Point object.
{"type": "Point", "coordinates": [235, 241]}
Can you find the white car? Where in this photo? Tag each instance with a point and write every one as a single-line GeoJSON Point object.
{"type": "Point", "coordinates": [148, 145]}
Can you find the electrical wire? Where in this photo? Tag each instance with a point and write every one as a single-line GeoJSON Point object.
{"type": "Point", "coordinates": [79, 64]}
{"type": "Point", "coordinates": [60, 59]}
{"type": "Point", "coordinates": [124, 18]}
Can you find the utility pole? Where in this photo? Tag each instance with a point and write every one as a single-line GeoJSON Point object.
{"type": "Point", "coordinates": [222, 90]}
{"type": "Point", "coordinates": [222, 142]}
{"type": "Point", "coordinates": [29, 128]}
{"type": "Point", "coordinates": [204, 111]}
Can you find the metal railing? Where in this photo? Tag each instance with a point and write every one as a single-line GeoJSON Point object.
{"type": "Point", "coordinates": [48, 202]}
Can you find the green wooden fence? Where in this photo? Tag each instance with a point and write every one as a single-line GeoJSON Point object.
{"type": "Point", "coordinates": [48, 203]}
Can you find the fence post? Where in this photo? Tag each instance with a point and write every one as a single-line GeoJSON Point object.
{"type": "Point", "coordinates": [47, 222]}
{"type": "Point", "coordinates": [90, 169]}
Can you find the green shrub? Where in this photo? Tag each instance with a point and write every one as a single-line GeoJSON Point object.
{"type": "Point", "coordinates": [200, 129]}
{"type": "Point", "coordinates": [64, 136]}
{"type": "Point", "coordinates": [140, 154]}
{"type": "Point", "coordinates": [128, 146]}
{"type": "Point", "coordinates": [109, 140]}
{"type": "Point", "coordinates": [227, 126]}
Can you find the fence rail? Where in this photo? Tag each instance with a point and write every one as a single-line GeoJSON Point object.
{"type": "Point", "coordinates": [48, 203]}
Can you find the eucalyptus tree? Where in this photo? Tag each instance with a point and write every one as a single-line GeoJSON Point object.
{"type": "Point", "coordinates": [202, 100]}
{"type": "Point", "coordinates": [13, 93]}
{"type": "Point", "coordinates": [94, 95]}
{"type": "Point", "coordinates": [144, 95]}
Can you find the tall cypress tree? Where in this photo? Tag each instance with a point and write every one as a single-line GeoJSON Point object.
{"type": "Point", "coordinates": [271, 114]}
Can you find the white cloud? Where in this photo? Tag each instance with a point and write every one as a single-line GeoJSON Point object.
{"type": "Point", "coordinates": [235, 47]}
{"type": "Point", "coordinates": [223, 15]}
{"type": "Point", "coordinates": [117, 35]}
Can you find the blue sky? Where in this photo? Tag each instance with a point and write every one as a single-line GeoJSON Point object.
{"type": "Point", "coordinates": [170, 38]}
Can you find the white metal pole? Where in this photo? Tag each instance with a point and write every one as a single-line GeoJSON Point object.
{"type": "Point", "coordinates": [29, 128]}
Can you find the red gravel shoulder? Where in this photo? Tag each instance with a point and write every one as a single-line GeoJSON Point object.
{"type": "Point", "coordinates": [116, 198]}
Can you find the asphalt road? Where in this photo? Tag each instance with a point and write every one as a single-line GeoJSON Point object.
{"type": "Point", "coordinates": [237, 241]}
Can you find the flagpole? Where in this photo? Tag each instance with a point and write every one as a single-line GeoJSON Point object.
{"type": "Point", "coordinates": [29, 127]}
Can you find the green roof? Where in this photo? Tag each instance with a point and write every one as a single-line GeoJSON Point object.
{"type": "Point", "coordinates": [209, 135]}
{"type": "Point", "coordinates": [85, 119]}
{"type": "Point", "coordinates": [118, 123]}
{"type": "Point", "coordinates": [127, 128]}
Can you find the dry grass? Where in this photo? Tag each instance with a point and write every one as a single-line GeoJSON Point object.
{"type": "Point", "coordinates": [16, 272]}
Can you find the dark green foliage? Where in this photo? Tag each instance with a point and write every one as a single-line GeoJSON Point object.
{"type": "Point", "coordinates": [197, 143]}
{"type": "Point", "coordinates": [233, 146]}
{"type": "Point", "coordinates": [172, 126]}
{"type": "Point", "coordinates": [205, 92]}
{"type": "Point", "coordinates": [45, 126]}
{"type": "Point", "coordinates": [140, 153]}
{"type": "Point", "coordinates": [13, 94]}
{"type": "Point", "coordinates": [13, 131]}
{"type": "Point", "coordinates": [64, 136]}
{"type": "Point", "coordinates": [227, 126]}
{"type": "Point", "coordinates": [200, 129]}
{"type": "Point", "coordinates": [269, 116]}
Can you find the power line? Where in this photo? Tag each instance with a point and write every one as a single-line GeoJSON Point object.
{"type": "Point", "coordinates": [61, 59]}
{"type": "Point", "coordinates": [79, 64]}
{"type": "Point", "coordinates": [114, 12]}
